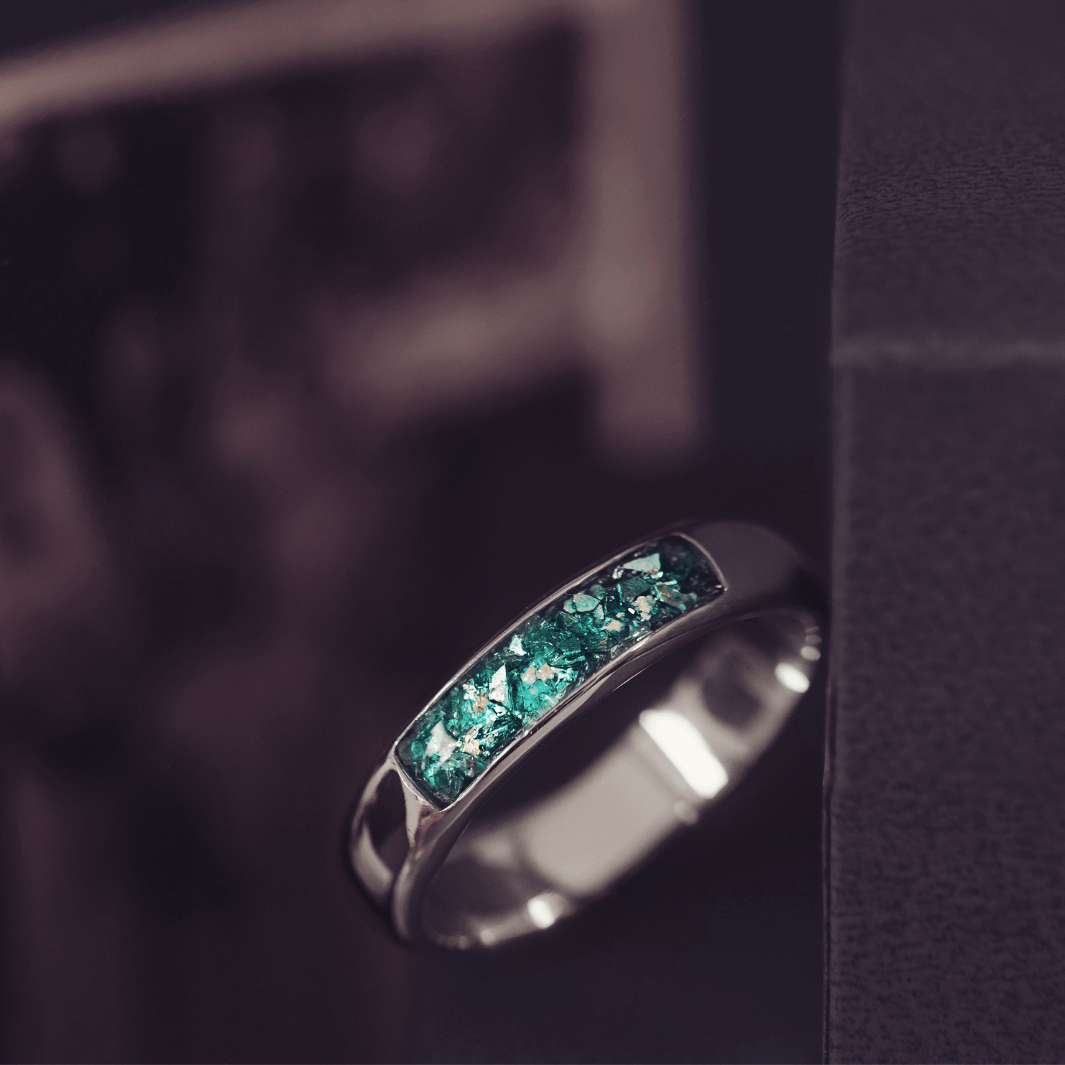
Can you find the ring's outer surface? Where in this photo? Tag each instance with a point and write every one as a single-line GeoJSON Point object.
{"type": "Point", "coordinates": [442, 876]}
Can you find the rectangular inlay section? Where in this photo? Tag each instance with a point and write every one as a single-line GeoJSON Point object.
{"type": "Point", "coordinates": [552, 653]}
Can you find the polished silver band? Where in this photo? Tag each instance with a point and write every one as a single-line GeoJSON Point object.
{"type": "Point", "coordinates": [481, 871]}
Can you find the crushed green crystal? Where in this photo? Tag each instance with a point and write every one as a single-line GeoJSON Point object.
{"type": "Point", "coordinates": [530, 671]}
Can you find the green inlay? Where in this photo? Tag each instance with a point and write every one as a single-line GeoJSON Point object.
{"type": "Point", "coordinates": [529, 672]}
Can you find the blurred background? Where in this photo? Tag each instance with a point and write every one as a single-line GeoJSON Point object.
{"type": "Point", "coordinates": [332, 333]}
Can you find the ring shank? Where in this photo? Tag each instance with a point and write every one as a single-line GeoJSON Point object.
{"type": "Point", "coordinates": [542, 862]}
{"type": "Point", "coordinates": [468, 877]}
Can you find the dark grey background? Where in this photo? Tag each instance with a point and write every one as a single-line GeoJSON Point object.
{"type": "Point", "coordinates": [716, 956]}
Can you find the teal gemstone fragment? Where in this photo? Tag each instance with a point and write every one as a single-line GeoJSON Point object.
{"type": "Point", "coordinates": [647, 564]}
{"type": "Point", "coordinates": [633, 587]}
{"type": "Point", "coordinates": [530, 671]}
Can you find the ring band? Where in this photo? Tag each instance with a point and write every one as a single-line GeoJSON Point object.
{"type": "Point", "coordinates": [428, 843]}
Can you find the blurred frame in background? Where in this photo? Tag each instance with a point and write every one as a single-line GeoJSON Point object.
{"type": "Point", "coordinates": [314, 317]}
{"type": "Point", "coordinates": [491, 194]}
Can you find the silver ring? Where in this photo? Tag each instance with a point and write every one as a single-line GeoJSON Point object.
{"type": "Point", "coordinates": [457, 841]}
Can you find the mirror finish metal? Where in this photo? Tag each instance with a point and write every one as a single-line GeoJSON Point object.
{"type": "Point", "coordinates": [448, 878]}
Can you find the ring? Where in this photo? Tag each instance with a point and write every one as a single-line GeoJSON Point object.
{"type": "Point", "coordinates": [529, 786]}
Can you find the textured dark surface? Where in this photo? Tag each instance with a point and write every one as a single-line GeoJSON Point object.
{"type": "Point", "coordinates": [951, 224]}
{"type": "Point", "coordinates": [946, 847]}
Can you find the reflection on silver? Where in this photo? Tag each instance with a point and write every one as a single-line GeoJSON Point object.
{"type": "Point", "coordinates": [792, 677]}
{"type": "Point", "coordinates": [683, 744]}
{"type": "Point", "coordinates": [546, 908]}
